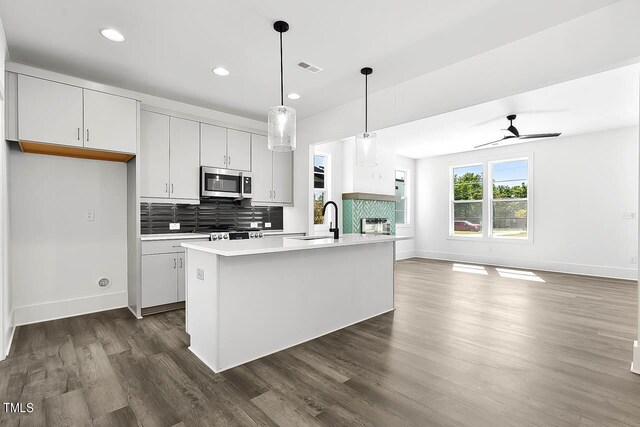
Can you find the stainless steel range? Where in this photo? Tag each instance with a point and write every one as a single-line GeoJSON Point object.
{"type": "Point", "coordinates": [239, 234]}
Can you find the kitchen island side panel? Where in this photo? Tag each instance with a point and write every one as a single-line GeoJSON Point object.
{"type": "Point", "coordinates": [269, 302]}
{"type": "Point", "coordinates": [202, 306]}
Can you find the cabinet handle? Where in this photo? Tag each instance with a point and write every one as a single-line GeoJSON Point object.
{"type": "Point", "coordinates": [225, 159]}
{"type": "Point", "coordinates": [171, 188]}
{"type": "Point", "coordinates": [166, 187]}
{"type": "Point", "coordinates": [229, 160]}
{"type": "Point", "coordinates": [87, 135]}
{"type": "Point", "coordinates": [174, 263]}
{"type": "Point", "coordinates": [274, 194]}
{"type": "Point", "coordinates": [78, 134]}
{"type": "Point", "coordinates": [271, 194]}
{"type": "Point", "coordinates": [180, 262]}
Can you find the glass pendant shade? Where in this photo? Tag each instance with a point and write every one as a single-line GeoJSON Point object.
{"type": "Point", "coordinates": [366, 149]}
{"type": "Point", "coordinates": [281, 134]}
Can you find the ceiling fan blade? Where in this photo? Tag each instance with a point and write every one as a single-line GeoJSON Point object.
{"type": "Point", "coordinates": [540, 135]}
{"type": "Point", "coordinates": [494, 142]}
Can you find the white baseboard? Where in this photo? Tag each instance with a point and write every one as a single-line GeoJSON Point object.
{"type": "Point", "coordinates": [74, 307]}
{"type": "Point", "coordinates": [405, 255]}
{"type": "Point", "coordinates": [536, 264]}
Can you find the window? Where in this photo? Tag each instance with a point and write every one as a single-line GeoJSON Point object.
{"type": "Point", "coordinates": [401, 195]}
{"type": "Point", "coordinates": [320, 187]}
{"type": "Point", "coordinates": [507, 207]}
{"type": "Point", "coordinates": [466, 201]}
{"type": "Point", "coordinates": [510, 198]}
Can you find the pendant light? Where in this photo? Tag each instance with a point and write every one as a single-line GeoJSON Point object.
{"type": "Point", "coordinates": [282, 120]}
{"type": "Point", "coordinates": [366, 146]}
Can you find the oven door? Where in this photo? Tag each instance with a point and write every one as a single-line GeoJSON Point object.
{"type": "Point", "coordinates": [220, 183]}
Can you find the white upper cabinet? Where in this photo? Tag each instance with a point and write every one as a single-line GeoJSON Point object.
{"type": "Point", "coordinates": [224, 148]}
{"type": "Point", "coordinates": [110, 122]}
{"type": "Point", "coordinates": [154, 155]}
{"type": "Point", "coordinates": [61, 114]}
{"type": "Point", "coordinates": [184, 142]}
{"type": "Point", "coordinates": [49, 112]}
{"type": "Point", "coordinates": [262, 171]}
{"type": "Point", "coordinates": [238, 150]}
{"type": "Point", "coordinates": [213, 146]}
{"type": "Point", "coordinates": [283, 177]}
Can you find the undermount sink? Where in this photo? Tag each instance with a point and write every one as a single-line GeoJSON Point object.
{"type": "Point", "coordinates": [311, 237]}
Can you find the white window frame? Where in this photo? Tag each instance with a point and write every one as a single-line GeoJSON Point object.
{"type": "Point", "coordinates": [487, 200]}
{"type": "Point", "coordinates": [327, 187]}
{"type": "Point", "coordinates": [490, 164]}
{"type": "Point", "coordinates": [407, 195]}
{"type": "Point", "coordinates": [452, 203]}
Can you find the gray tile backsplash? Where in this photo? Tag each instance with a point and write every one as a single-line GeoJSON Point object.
{"type": "Point", "coordinates": [209, 215]}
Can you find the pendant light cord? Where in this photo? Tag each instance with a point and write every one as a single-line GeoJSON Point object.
{"type": "Point", "coordinates": [281, 74]}
{"type": "Point", "coordinates": [366, 104]}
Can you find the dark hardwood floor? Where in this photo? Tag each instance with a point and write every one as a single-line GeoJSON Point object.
{"type": "Point", "coordinates": [462, 348]}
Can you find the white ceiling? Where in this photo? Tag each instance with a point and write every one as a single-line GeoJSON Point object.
{"type": "Point", "coordinates": [171, 47]}
{"type": "Point", "coordinates": [598, 102]}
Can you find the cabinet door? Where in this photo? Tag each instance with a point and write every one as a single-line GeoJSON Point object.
{"type": "Point", "coordinates": [159, 279]}
{"type": "Point", "coordinates": [213, 146]}
{"type": "Point", "coordinates": [282, 177]}
{"type": "Point", "coordinates": [49, 112]}
{"type": "Point", "coordinates": [154, 155]}
{"type": "Point", "coordinates": [110, 122]}
{"type": "Point", "coordinates": [181, 277]}
{"type": "Point", "coordinates": [262, 169]}
{"type": "Point", "coordinates": [184, 159]}
{"type": "Point", "coordinates": [238, 150]}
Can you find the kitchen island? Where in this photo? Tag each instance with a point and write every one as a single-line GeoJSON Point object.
{"type": "Point", "coordinates": [246, 299]}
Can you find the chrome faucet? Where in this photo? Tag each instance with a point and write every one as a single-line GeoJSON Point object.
{"type": "Point", "coordinates": [336, 231]}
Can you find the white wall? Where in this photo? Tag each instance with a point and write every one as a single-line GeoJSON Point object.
{"type": "Point", "coordinates": [581, 187]}
{"type": "Point", "coordinates": [406, 248]}
{"type": "Point", "coordinates": [57, 255]}
{"type": "Point", "coordinates": [6, 304]}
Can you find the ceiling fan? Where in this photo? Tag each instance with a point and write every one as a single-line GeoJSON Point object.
{"type": "Point", "coordinates": [514, 133]}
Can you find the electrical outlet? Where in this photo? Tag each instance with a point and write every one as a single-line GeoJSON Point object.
{"type": "Point", "coordinates": [90, 215]}
{"type": "Point", "coordinates": [174, 226]}
{"type": "Point", "coordinates": [267, 225]}
{"type": "Point", "coordinates": [254, 225]}
{"type": "Point", "coordinates": [200, 273]}
{"type": "Point", "coordinates": [628, 215]}
{"type": "Point", "coordinates": [633, 260]}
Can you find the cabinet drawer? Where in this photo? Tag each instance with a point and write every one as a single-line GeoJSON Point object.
{"type": "Point", "coordinates": [166, 246]}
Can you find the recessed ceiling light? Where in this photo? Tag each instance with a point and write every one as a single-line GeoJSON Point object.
{"type": "Point", "coordinates": [221, 71]}
{"type": "Point", "coordinates": [293, 96]}
{"type": "Point", "coordinates": [112, 34]}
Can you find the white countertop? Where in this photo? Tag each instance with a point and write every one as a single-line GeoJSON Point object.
{"type": "Point", "coordinates": [285, 244]}
{"type": "Point", "coordinates": [173, 236]}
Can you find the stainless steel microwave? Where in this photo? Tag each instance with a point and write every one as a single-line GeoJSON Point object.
{"type": "Point", "coordinates": [225, 183]}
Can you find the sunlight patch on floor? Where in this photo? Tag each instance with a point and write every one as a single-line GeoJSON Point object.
{"type": "Point", "coordinates": [470, 268]}
{"type": "Point", "coordinates": [519, 274]}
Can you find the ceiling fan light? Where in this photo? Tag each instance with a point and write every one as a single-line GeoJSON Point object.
{"type": "Point", "coordinates": [366, 149]}
{"type": "Point", "coordinates": [281, 128]}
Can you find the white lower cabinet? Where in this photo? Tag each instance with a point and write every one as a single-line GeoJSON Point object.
{"type": "Point", "coordinates": [181, 277]}
{"type": "Point", "coordinates": [159, 279]}
{"type": "Point", "coordinates": [163, 272]}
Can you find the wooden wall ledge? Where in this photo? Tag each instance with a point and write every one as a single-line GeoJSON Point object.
{"type": "Point", "coordinates": [369, 196]}
{"type": "Point", "coordinates": [76, 152]}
